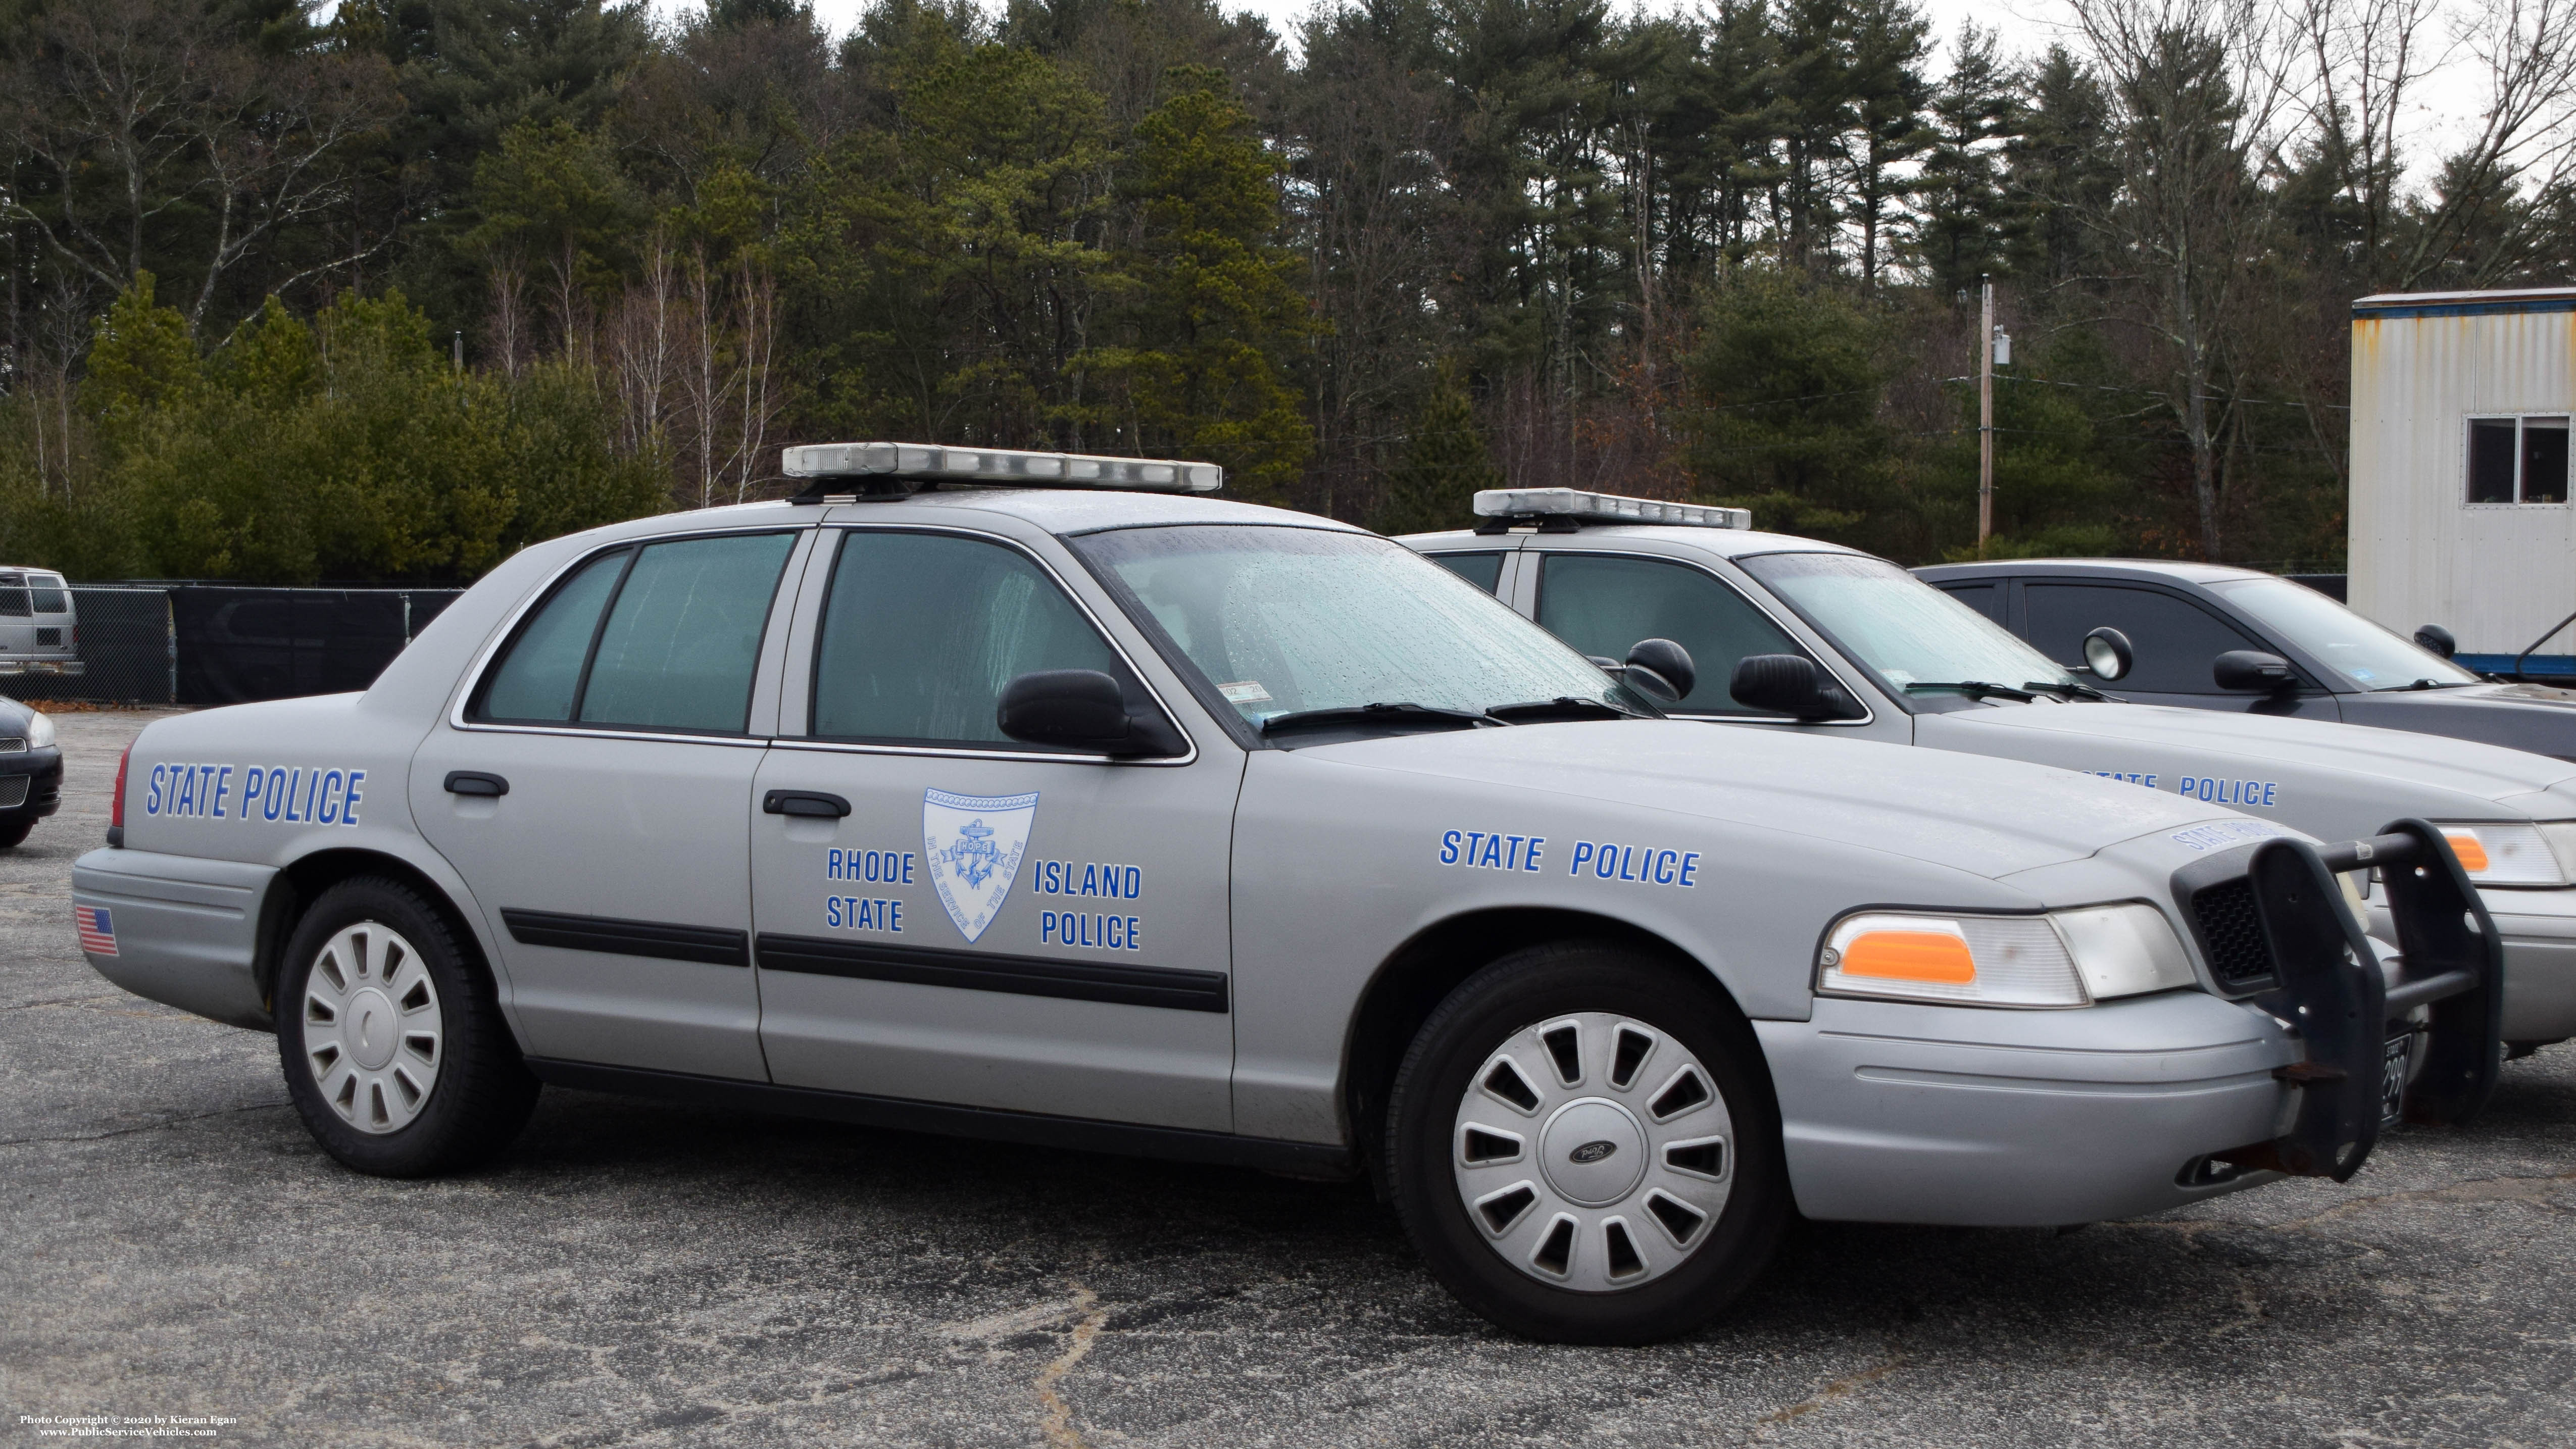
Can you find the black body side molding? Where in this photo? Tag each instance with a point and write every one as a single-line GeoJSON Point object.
{"type": "Point", "coordinates": [985, 971]}
{"type": "Point", "coordinates": [707, 945]}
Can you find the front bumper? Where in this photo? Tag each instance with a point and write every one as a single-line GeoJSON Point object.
{"type": "Point", "coordinates": [1897, 1112]}
{"type": "Point", "coordinates": [42, 792]}
{"type": "Point", "coordinates": [1936, 1114]}
{"type": "Point", "coordinates": [178, 929]}
{"type": "Point", "coordinates": [2539, 931]}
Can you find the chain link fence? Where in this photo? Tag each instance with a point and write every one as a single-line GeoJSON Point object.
{"type": "Point", "coordinates": [211, 644]}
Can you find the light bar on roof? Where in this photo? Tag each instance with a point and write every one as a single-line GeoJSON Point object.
{"type": "Point", "coordinates": [931, 463]}
{"type": "Point", "coordinates": [1604, 508]}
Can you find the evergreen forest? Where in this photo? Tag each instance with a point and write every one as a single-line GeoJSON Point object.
{"type": "Point", "coordinates": [383, 290]}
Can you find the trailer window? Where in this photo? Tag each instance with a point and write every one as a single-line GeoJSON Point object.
{"type": "Point", "coordinates": [2518, 460]}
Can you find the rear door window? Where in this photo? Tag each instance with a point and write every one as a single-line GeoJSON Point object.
{"type": "Point", "coordinates": [665, 636]}
{"type": "Point", "coordinates": [14, 601]}
{"type": "Point", "coordinates": [2176, 640]}
{"type": "Point", "coordinates": [48, 594]}
{"type": "Point", "coordinates": [1603, 604]}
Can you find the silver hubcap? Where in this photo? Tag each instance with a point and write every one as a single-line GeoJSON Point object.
{"type": "Point", "coordinates": [372, 1032]}
{"type": "Point", "coordinates": [1593, 1152]}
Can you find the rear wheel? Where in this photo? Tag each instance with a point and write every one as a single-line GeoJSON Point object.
{"type": "Point", "coordinates": [1585, 1148]}
{"type": "Point", "coordinates": [391, 1039]}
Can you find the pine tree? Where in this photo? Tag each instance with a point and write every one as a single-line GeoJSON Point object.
{"type": "Point", "coordinates": [1445, 462]}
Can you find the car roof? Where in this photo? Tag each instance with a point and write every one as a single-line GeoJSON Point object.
{"type": "Point", "coordinates": [2168, 570]}
{"type": "Point", "coordinates": [1723, 542]}
{"type": "Point", "coordinates": [1057, 510]}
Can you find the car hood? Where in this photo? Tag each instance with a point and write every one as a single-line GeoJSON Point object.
{"type": "Point", "coordinates": [2394, 772]}
{"type": "Point", "coordinates": [1989, 817]}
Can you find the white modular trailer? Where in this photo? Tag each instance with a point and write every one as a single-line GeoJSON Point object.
{"type": "Point", "coordinates": [2460, 513]}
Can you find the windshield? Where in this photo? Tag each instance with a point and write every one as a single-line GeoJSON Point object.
{"type": "Point", "coordinates": [1900, 628]}
{"type": "Point", "coordinates": [1282, 620]}
{"type": "Point", "coordinates": [2340, 639]}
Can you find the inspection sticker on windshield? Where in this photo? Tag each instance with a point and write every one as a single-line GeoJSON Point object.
{"type": "Point", "coordinates": [1244, 691]}
{"type": "Point", "coordinates": [2220, 834]}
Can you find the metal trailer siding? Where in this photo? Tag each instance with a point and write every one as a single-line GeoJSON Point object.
{"type": "Point", "coordinates": [2495, 574]}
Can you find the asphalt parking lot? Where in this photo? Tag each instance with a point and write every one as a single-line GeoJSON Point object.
{"type": "Point", "coordinates": [636, 1274]}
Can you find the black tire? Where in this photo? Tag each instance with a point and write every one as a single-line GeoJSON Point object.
{"type": "Point", "coordinates": [482, 1092]}
{"type": "Point", "coordinates": [13, 833]}
{"type": "Point", "coordinates": [1525, 989]}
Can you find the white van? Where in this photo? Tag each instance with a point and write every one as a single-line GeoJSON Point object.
{"type": "Point", "coordinates": [38, 632]}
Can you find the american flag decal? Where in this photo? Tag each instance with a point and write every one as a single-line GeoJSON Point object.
{"type": "Point", "coordinates": [97, 932]}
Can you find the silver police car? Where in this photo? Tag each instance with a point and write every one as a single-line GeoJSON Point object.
{"type": "Point", "coordinates": [1800, 634]}
{"type": "Point", "coordinates": [1035, 797]}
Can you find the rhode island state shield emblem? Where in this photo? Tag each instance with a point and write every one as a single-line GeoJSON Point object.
{"type": "Point", "coordinates": [974, 844]}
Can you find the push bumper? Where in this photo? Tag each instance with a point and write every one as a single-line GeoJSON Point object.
{"type": "Point", "coordinates": [176, 929]}
{"type": "Point", "coordinates": [1938, 1114]}
{"type": "Point", "coordinates": [2539, 932]}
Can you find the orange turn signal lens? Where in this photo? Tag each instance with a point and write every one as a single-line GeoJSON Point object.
{"type": "Point", "coordinates": [2473, 856]}
{"type": "Point", "coordinates": [1935, 956]}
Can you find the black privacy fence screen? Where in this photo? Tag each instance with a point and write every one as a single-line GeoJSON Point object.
{"type": "Point", "coordinates": [215, 644]}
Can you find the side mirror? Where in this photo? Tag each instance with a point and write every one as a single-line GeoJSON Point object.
{"type": "Point", "coordinates": [1081, 709]}
{"type": "Point", "coordinates": [1790, 684]}
{"type": "Point", "coordinates": [2252, 669]}
{"type": "Point", "coordinates": [2437, 639]}
{"type": "Point", "coordinates": [2107, 655]}
{"type": "Point", "coordinates": [1661, 668]}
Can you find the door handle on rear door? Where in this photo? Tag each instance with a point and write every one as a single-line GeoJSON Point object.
{"type": "Point", "coordinates": [475, 782]}
{"type": "Point", "coordinates": [804, 802]}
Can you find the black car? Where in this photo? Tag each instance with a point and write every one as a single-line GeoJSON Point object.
{"type": "Point", "coordinates": [2212, 637]}
{"type": "Point", "coordinates": [31, 771]}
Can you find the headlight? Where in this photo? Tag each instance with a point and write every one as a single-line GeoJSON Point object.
{"type": "Point", "coordinates": [2497, 854]}
{"type": "Point", "coordinates": [2064, 958]}
{"type": "Point", "coordinates": [40, 730]}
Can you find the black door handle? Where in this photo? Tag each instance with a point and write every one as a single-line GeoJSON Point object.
{"type": "Point", "coordinates": [475, 782]}
{"type": "Point", "coordinates": [804, 802]}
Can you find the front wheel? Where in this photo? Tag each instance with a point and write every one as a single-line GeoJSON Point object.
{"type": "Point", "coordinates": [1585, 1147]}
{"type": "Point", "coordinates": [393, 1045]}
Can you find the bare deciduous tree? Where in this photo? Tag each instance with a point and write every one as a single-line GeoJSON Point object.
{"type": "Point", "coordinates": [2199, 93]}
{"type": "Point", "coordinates": [143, 123]}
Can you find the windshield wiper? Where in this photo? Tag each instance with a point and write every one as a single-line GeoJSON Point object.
{"type": "Point", "coordinates": [2067, 688]}
{"type": "Point", "coordinates": [1562, 705]}
{"type": "Point", "coordinates": [2423, 684]}
{"type": "Point", "coordinates": [1372, 714]}
{"type": "Point", "coordinates": [1976, 689]}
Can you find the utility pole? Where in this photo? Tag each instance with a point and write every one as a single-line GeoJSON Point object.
{"type": "Point", "coordinates": [1986, 418]}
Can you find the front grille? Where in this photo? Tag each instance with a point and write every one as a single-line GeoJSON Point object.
{"type": "Point", "coordinates": [13, 791]}
{"type": "Point", "coordinates": [13, 744]}
{"type": "Point", "coordinates": [2231, 931]}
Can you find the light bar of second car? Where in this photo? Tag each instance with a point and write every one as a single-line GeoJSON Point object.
{"type": "Point", "coordinates": [1575, 503]}
{"type": "Point", "coordinates": [931, 463]}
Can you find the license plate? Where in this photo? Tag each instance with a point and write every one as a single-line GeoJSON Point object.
{"type": "Point", "coordinates": [2392, 1080]}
